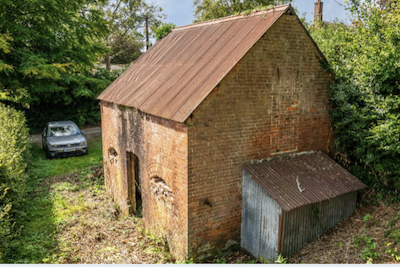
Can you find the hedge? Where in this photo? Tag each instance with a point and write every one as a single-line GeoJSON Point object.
{"type": "Point", "coordinates": [14, 151]}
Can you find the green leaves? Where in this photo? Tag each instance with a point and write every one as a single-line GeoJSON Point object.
{"type": "Point", "coordinates": [163, 30]}
{"type": "Point", "coordinates": [366, 96]}
{"type": "Point", "coordinates": [14, 145]}
{"type": "Point", "coordinates": [126, 21]}
{"type": "Point", "coordinates": [48, 49]}
{"type": "Point", "coordinates": [42, 39]}
{"type": "Point", "coordinates": [212, 9]}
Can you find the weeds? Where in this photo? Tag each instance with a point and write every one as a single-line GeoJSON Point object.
{"type": "Point", "coordinates": [46, 210]}
{"type": "Point", "coordinates": [370, 250]}
{"type": "Point", "coordinates": [281, 260]}
{"type": "Point", "coordinates": [392, 251]}
{"type": "Point", "coordinates": [367, 218]}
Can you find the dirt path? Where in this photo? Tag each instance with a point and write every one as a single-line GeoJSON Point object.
{"type": "Point", "coordinates": [89, 133]}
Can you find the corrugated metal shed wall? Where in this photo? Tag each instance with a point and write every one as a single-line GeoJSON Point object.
{"type": "Point", "coordinates": [301, 225]}
{"type": "Point", "coordinates": [260, 220]}
{"type": "Point", "coordinates": [320, 176]}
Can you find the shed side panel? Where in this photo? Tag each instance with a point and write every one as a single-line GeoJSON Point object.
{"type": "Point", "coordinates": [269, 232]}
{"type": "Point", "coordinates": [260, 220]}
{"type": "Point", "coordinates": [251, 215]}
{"type": "Point", "coordinates": [303, 224]}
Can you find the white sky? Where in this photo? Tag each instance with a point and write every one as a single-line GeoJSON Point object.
{"type": "Point", "coordinates": [180, 12]}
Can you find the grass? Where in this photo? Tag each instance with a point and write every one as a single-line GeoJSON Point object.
{"type": "Point", "coordinates": [46, 210]}
{"type": "Point", "coordinates": [69, 218]}
{"type": "Point", "coordinates": [41, 167]}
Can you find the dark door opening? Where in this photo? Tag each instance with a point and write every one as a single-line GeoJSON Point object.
{"type": "Point", "coordinates": [134, 192]}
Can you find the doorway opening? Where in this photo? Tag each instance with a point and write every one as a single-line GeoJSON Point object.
{"type": "Point", "coordinates": [134, 190]}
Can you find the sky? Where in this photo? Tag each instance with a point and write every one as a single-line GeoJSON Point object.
{"type": "Point", "coordinates": [180, 12]}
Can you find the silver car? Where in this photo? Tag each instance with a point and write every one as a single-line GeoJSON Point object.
{"type": "Point", "coordinates": [63, 138]}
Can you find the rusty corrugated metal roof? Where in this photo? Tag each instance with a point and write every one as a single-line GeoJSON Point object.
{"type": "Point", "coordinates": [320, 177]}
{"type": "Point", "coordinates": [176, 74]}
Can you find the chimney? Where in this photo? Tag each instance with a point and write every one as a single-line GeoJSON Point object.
{"type": "Point", "coordinates": [318, 11]}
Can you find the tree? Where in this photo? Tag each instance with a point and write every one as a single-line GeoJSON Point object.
{"type": "Point", "coordinates": [5, 48]}
{"type": "Point", "coordinates": [366, 95]}
{"type": "Point", "coordinates": [47, 54]}
{"type": "Point", "coordinates": [124, 19]}
{"type": "Point", "coordinates": [126, 49]}
{"type": "Point", "coordinates": [212, 9]}
{"type": "Point", "coordinates": [163, 30]}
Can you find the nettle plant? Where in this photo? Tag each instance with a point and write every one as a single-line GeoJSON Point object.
{"type": "Point", "coordinates": [365, 60]}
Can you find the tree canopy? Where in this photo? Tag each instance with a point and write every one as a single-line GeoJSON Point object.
{"type": "Point", "coordinates": [46, 46]}
{"type": "Point", "coordinates": [366, 95]}
{"type": "Point", "coordinates": [125, 18]}
{"type": "Point", "coordinates": [212, 9]}
{"type": "Point", "coordinates": [163, 30]}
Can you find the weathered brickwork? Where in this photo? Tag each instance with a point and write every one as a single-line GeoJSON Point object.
{"type": "Point", "coordinates": [160, 149]}
{"type": "Point", "coordinates": [274, 101]}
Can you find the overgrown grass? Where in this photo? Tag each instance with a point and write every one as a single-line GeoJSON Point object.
{"type": "Point", "coordinates": [44, 211]}
{"type": "Point", "coordinates": [41, 167]}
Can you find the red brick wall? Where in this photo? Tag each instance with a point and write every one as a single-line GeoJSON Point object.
{"type": "Point", "coordinates": [274, 101]}
{"type": "Point", "coordinates": [161, 148]}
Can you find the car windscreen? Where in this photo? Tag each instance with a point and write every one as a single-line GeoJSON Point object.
{"type": "Point", "coordinates": [65, 130]}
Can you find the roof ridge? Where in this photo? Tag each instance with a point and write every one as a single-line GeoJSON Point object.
{"type": "Point", "coordinates": [234, 17]}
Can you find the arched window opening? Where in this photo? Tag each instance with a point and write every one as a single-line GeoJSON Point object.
{"type": "Point", "coordinates": [161, 191]}
{"type": "Point", "coordinates": [112, 156]}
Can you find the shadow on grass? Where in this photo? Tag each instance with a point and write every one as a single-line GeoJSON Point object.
{"type": "Point", "coordinates": [40, 216]}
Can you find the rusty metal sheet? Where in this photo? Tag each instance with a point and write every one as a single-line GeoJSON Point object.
{"type": "Point", "coordinates": [210, 71]}
{"type": "Point", "coordinates": [177, 73]}
{"type": "Point", "coordinates": [316, 175]}
{"type": "Point", "coordinates": [227, 64]}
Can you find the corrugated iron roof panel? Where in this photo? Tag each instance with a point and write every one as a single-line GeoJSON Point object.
{"type": "Point", "coordinates": [319, 176]}
{"type": "Point", "coordinates": [176, 74]}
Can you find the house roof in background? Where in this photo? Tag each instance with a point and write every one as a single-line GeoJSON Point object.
{"type": "Point", "coordinates": [318, 175]}
{"type": "Point", "coordinates": [177, 73]}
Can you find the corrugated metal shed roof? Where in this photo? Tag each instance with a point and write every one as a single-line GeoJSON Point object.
{"type": "Point", "coordinates": [176, 74]}
{"type": "Point", "coordinates": [320, 177]}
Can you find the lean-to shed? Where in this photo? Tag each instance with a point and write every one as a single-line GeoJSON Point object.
{"type": "Point", "coordinates": [290, 200]}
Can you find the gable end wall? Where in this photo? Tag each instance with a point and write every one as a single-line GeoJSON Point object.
{"type": "Point", "coordinates": [274, 101]}
{"type": "Point", "coordinates": [160, 146]}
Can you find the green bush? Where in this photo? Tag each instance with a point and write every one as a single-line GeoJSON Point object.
{"type": "Point", "coordinates": [366, 95]}
{"type": "Point", "coordinates": [14, 144]}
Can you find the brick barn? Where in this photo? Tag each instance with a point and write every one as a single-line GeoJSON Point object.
{"type": "Point", "coordinates": [181, 122]}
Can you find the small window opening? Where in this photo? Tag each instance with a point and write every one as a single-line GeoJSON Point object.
{"type": "Point", "coordinates": [161, 191]}
{"type": "Point", "coordinates": [112, 156]}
